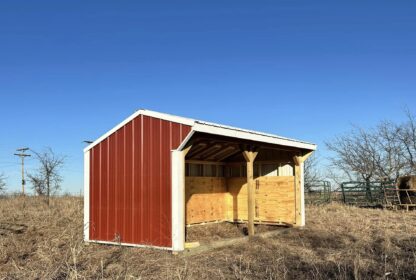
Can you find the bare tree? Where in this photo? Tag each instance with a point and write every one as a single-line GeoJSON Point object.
{"type": "Point", "coordinates": [407, 136]}
{"type": "Point", "coordinates": [311, 171]}
{"type": "Point", "coordinates": [2, 183]}
{"type": "Point", "coordinates": [38, 183]}
{"type": "Point", "coordinates": [384, 153]}
{"type": "Point", "coordinates": [355, 154]}
{"type": "Point", "coordinates": [391, 161]}
{"type": "Point", "coordinates": [46, 181]}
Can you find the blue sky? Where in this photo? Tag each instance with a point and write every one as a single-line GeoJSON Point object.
{"type": "Point", "coordinates": [71, 70]}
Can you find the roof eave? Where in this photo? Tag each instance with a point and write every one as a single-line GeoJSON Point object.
{"type": "Point", "coordinates": [249, 135]}
{"type": "Point", "coordinates": [206, 127]}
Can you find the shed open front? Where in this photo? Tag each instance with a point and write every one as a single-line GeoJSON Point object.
{"type": "Point", "coordinates": [154, 173]}
{"type": "Point", "coordinates": [220, 172]}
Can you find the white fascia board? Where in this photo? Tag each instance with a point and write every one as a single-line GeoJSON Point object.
{"type": "Point", "coordinates": [211, 128]}
{"type": "Point", "coordinates": [168, 117]}
{"type": "Point", "coordinates": [186, 140]}
{"type": "Point", "coordinates": [148, 113]}
{"type": "Point", "coordinates": [249, 135]}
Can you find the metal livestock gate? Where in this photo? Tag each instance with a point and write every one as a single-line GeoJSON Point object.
{"type": "Point", "coordinates": [130, 183]}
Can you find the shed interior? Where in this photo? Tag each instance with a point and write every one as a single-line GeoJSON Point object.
{"type": "Point", "coordinates": [216, 182]}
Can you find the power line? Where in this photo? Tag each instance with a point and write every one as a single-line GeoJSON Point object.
{"type": "Point", "coordinates": [22, 156]}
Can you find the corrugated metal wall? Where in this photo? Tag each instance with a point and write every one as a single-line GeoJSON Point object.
{"type": "Point", "coordinates": [130, 182]}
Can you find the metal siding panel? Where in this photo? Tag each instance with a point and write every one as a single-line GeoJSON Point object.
{"type": "Point", "coordinates": [176, 134]}
{"type": "Point", "coordinates": [120, 184]}
{"type": "Point", "coordinates": [145, 222]}
{"type": "Point", "coordinates": [136, 226]}
{"type": "Point", "coordinates": [155, 181]}
{"type": "Point", "coordinates": [165, 189]}
{"type": "Point", "coordinates": [128, 172]}
{"type": "Point", "coordinates": [111, 188]}
{"type": "Point", "coordinates": [103, 208]}
{"type": "Point", "coordinates": [185, 131]}
{"type": "Point", "coordinates": [130, 189]}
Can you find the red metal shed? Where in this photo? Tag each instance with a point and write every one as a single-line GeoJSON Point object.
{"type": "Point", "coordinates": [134, 185]}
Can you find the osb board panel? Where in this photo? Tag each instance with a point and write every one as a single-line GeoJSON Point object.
{"type": "Point", "coordinates": [275, 199]}
{"type": "Point", "coordinates": [237, 202]}
{"type": "Point", "coordinates": [206, 199]}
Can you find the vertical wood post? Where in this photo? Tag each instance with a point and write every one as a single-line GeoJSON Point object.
{"type": "Point", "coordinates": [250, 156]}
{"type": "Point", "coordinates": [300, 189]}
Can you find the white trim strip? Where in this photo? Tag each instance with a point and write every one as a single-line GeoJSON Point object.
{"type": "Point", "coordinates": [213, 128]}
{"type": "Point", "coordinates": [130, 245]}
{"type": "Point", "coordinates": [178, 201]}
{"type": "Point", "coordinates": [247, 135]}
{"type": "Point", "coordinates": [186, 140]}
{"type": "Point", "coordinates": [302, 195]}
{"type": "Point", "coordinates": [87, 195]}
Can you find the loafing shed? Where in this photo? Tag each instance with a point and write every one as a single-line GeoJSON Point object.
{"type": "Point", "coordinates": [153, 174]}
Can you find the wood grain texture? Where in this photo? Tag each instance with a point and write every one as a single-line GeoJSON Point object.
{"type": "Point", "coordinates": [275, 199]}
{"type": "Point", "coordinates": [225, 199]}
{"type": "Point", "coordinates": [206, 199]}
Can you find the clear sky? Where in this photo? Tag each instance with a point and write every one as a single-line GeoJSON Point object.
{"type": "Point", "coordinates": [71, 70]}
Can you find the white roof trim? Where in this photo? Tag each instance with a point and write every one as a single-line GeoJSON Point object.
{"type": "Point", "coordinates": [212, 128]}
{"type": "Point", "coordinates": [251, 135]}
{"type": "Point", "coordinates": [158, 115]}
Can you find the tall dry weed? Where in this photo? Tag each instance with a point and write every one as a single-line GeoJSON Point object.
{"type": "Point", "coordinates": [339, 242]}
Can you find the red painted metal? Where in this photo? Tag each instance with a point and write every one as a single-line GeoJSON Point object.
{"type": "Point", "coordinates": [130, 182]}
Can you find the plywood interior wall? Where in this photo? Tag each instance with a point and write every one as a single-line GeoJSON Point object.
{"type": "Point", "coordinates": [214, 199]}
{"type": "Point", "coordinates": [206, 199]}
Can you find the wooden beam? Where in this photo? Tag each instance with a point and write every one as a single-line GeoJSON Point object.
{"type": "Point", "coordinates": [299, 195]}
{"type": "Point", "coordinates": [198, 147]}
{"type": "Point", "coordinates": [301, 159]}
{"type": "Point", "coordinates": [200, 153]}
{"type": "Point", "coordinates": [204, 162]}
{"type": "Point", "coordinates": [211, 151]}
{"type": "Point", "coordinates": [224, 150]}
{"type": "Point", "coordinates": [250, 156]}
{"type": "Point", "coordinates": [214, 147]}
{"type": "Point", "coordinates": [192, 245]}
{"type": "Point", "coordinates": [231, 140]}
{"type": "Point", "coordinates": [186, 150]}
{"type": "Point", "coordinates": [227, 155]}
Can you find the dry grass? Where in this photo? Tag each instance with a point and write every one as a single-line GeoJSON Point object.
{"type": "Point", "coordinates": [37, 242]}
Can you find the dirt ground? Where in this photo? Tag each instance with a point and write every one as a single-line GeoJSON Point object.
{"type": "Point", "coordinates": [339, 242]}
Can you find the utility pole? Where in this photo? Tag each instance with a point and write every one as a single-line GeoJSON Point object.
{"type": "Point", "coordinates": [22, 156]}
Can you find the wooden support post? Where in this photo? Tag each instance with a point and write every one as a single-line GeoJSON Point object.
{"type": "Point", "coordinates": [299, 189]}
{"type": "Point", "coordinates": [250, 156]}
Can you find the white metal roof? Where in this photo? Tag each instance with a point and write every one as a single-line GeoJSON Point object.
{"type": "Point", "coordinates": [213, 128]}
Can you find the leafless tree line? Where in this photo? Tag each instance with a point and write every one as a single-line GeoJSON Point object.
{"type": "Point", "coordinates": [384, 152]}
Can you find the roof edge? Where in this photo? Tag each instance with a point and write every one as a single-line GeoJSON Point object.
{"type": "Point", "coordinates": [251, 135]}
{"type": "Point", "coordinates": [212, 128]}
{"type": "Point", "coordinates": [162, 116]}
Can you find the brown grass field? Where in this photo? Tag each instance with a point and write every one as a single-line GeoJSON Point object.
{"type": "Point", "coordinates": [339, 242]}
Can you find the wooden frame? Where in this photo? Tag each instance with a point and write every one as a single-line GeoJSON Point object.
{"type": "Point", "coordinates": [250, 156]}
{"type": "Point", "coordinates": [299, 188]}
